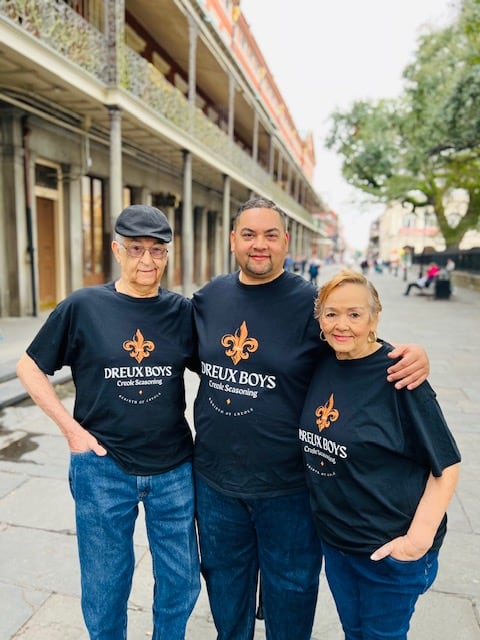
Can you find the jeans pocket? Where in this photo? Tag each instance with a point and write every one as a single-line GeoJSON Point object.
{"type": "Point", "coordinates": [403, 564]}
{"type": "Point", "coordinates": [76, 459]}
{"type": "Point", "coordinates": [421, 572]}
{"type": "Point", "coordinates": [74, 454]}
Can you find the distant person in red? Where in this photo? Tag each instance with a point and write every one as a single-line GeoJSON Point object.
{"type": "Point", "coordinates": [424, 281]}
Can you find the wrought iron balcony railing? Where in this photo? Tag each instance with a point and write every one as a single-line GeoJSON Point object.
{"type": "Point", "coordinates": [59, 27]}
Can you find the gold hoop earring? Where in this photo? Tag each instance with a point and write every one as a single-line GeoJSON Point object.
{"type": "Point", "coordinates": [322, 336]}
{"type": "Point", "coordinates": [372, 337]}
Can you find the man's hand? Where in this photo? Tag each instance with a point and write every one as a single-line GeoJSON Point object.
{"type": "Point", "coordinates": [44, 395]}
{"type": "Point", "coordinates": [412, 369]}
{"type": "Point", "coordinates": [80, 440]}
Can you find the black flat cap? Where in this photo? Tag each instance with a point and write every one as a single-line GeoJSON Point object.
{"type": "Point", "coordinates": [141, 220]}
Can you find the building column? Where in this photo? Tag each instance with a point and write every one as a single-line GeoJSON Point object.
{"type": "Point", "coordinates": [309, 241]}
{"type": "Point", "coordinates": [302, 193]}
{"type": "Point", "coordinates": [293, 244]}
{"type": "Point", "coordinates": [218, 262]}
{"type": "Point", "coordinates": [288, 188]}
{"type": "Point", "coordinates": [255, 137]}
{"type": "Point", "coordinates": [170, 213]}
{"type": "Point", "coordinates": [271, 159]}
{"type": "Point", "coordinates": [72, 203]}
{"type": "Point", "coordinates": [116, 185]}
{"type": "Point", "coordinates": [280, 168]}
{"type": "Point", "coordinates": [301, 240]}
{"type": "Point", "coordinates": [297, 187]}
{"type": "Point", "coordinates": [145, 195]}
{"type": "Point", "coordinates": [187, 225]}
{"type": "Point", "coordinates": [231, 105]}
{"type": "Point", "coordinates": [192, 67]}
{"type": "Point", "coordinates": [16, 269]}
{"type": "Point", "coordinates": [203, 245]}
{"type": "Point", "coordinates": [115, 33]}
{"type": "Point", "coordinates": [226, 224]}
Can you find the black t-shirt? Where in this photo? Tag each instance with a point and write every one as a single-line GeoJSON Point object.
{"type": "Point", "coordinates": [258, 345]}
{"type": "Point", "coordinates": [128, 356]}
{"type": "Point", "coordinates": [368, 450]}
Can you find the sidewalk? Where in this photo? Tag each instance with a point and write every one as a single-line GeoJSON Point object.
{"type": "Point", "coordinates": [39, 583]}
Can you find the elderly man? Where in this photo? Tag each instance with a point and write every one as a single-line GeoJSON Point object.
{"type": "Point", "coordinates": [128, 343]}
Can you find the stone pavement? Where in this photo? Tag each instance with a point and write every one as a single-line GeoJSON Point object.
{"type": "Point", "coordinates": [39, 583]}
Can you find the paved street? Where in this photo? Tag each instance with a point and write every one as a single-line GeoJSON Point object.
{"type": "Point", "coordinates": [39, 582]}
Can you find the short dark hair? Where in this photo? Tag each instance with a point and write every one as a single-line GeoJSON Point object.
{"type": "Point", "coordinates": [261, 203]}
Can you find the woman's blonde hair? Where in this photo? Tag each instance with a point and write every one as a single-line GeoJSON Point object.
{"type": "Point", "coordinates": [343, 277]}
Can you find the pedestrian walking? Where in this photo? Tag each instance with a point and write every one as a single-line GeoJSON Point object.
{"type": "Point", "coordinates": [314, 265]}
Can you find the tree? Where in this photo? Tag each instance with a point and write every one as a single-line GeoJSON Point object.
{"type": "Point", "coordinates": [420, 147]}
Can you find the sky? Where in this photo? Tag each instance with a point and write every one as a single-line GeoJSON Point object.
{"type": "Point", "coordinates": [326, 55]}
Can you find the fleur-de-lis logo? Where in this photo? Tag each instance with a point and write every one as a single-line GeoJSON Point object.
{"type": "Point", "coordinates": [139, 347]}
{"type": "Point", "coordinates": [239, 344]}
{"type": "Point", "coordinates": [326, 414]}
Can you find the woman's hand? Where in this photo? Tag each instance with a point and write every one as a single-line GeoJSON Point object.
{"type": "Point", "coordinates": [401, 548]}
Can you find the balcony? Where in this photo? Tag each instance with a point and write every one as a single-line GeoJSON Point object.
{"type": "Point", "coordinates": [52, 57]}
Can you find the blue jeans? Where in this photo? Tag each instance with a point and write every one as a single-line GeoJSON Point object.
{"type": "Point", "coordinates": [274, 535]}
{"type": "Point", "coordinates": [376, 599]}
{"type": "Point", "coordinates": [106, 507]}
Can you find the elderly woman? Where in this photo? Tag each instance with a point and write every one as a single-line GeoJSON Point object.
{"type": "Point", "coordinates": [381, 467]}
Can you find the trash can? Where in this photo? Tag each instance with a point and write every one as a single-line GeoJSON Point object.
{"type": "Point", "coordinates": [443, 290]}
